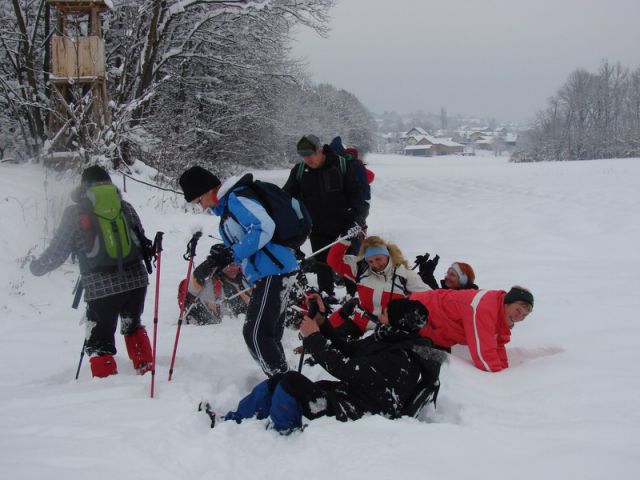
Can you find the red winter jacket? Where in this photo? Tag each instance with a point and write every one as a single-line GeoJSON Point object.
{"type": "Point", "coordinates": [374, 288]}
{"type": "Point", "coordinates": [469, 317]}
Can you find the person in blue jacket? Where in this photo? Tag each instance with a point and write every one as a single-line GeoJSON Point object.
{"type": "Point", "coordinates": [246, 229]}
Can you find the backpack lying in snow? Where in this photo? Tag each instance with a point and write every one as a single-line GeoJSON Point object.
{"type": "Point", "coordinates": [106, 232]}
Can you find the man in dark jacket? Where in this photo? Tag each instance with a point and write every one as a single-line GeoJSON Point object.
{"type": "Point", "coordinates": [110, 292]}
{"type": "Point", "coordinates": [331, 192]}
{"type": "Point", "coordinates": [392, 373]}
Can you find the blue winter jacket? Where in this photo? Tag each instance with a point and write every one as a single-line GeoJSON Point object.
{"type": "Point", "coordinates": [247, 228]}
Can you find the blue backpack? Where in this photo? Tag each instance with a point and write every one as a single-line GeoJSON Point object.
{"type": "Point", "coordinates": [291, 217]}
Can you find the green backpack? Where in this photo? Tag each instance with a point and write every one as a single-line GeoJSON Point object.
{"type": "Point", "coordinates": [106, 231]}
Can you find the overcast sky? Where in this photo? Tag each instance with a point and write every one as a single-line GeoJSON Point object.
{"type": "Point", "coordinates": [494, 58]}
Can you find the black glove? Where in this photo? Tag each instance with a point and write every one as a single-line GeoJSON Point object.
{"type": "Point", "coordinates": [148, 252]}
{"type": "Point", "coordinates": [300, 256]}
{"type": "Point", "coordinates": [204, 271]}
{"type": "Point", "coordinates": [347, 310]}
{"type": "Point", "coordinates": [220, 256]}
{"type": "Point", "coordinates": [426, 269]}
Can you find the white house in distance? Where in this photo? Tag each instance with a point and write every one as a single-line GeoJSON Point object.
{"type": "Point", "coordinates": [420, 144]}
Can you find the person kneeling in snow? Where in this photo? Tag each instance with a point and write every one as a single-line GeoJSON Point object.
{"type": "Point", "coordinates": [210, 295]}
{"type": "Point", "coordinates": [113, 286]}
{"type": "Point", "coordinates": [393, 372]}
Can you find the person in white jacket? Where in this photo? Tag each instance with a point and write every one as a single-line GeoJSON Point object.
{"type": "Point", "coordinates": [381, 274]}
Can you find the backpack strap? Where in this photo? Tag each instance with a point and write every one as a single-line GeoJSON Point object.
{"type": "Point", "coordinates": [228, 213]}
{"type": "Point", "coordinates": [343, 165]}
{"type": "Point", "coordinates": [393, 281]}
{"type": "Point", "coordinates": [300, 171]}
{"type": "Point", "coordinates": [361, 267]}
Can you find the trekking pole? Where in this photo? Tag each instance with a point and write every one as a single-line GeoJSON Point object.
{"type": "Point", "coordinates": [157, 244]}
{"type": "Point", "coordinates": [301, 362]}
{"type": "Point", "coordinates": [311, 312]}
{"type": "Point", "coordinates": [77, 294]}
{"type": "Point", "coordinates": [84, 344]}
{"type": "Point", "coordinates": [350, 233]}
{"type": "Point", "coordinates": [191, 252]}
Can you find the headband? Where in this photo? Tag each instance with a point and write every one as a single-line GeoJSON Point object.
{"type": "Point", "coordinates": [376, 250]}
{"type": "Point", "coordinates": [461, 275]}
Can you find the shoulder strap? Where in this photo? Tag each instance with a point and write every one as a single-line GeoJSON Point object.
{"type": "Point", "coordinates": [393, 282]}
{"type": "Point", "coordinates": [343, 165]}
{"type": "Point", "coordinates": [300, 171]}
{"type": "Point", "coordinates": [361, 267]}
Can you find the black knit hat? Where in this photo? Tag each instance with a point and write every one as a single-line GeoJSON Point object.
{"type": "Point", "coordinates": [94, 174]}
{"type": "Point", "coordinates": [407, 315]}
{"type": "Point", "coordinates": [518, 294]}
{"type": "Point", "coordinates": [308, 145]}
{"type": "Point", "coordinates": [197, 181]}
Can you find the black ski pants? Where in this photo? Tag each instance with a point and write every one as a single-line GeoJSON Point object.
{"type": "Point", "coordinates": [264, 322]}
{"type": "Point", "coordinates": [324, 273]}
{"type": "Point", "coordinates": [102, 320]}
{"type": "Point", "coordinates": [322, 398]}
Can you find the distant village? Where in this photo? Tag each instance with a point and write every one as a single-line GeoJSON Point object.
{"type": "Point", "coordinates": [419, 142]}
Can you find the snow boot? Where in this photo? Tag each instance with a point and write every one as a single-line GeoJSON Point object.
{"type": "Point", "coordinates": [103, 366]}
{"type": "Point", "coordinates": [205, 407]}
{"type": "Point", "coordinates": [139, 350]}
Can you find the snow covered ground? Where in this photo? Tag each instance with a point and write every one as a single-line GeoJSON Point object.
{"type": "Point", "coordinates": [567, 407]}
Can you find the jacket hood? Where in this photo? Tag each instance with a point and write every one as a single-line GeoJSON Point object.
{"type": "Point", "coordinates": [80, 192]}
{"type": "Point", "coordinates": [235, 180]}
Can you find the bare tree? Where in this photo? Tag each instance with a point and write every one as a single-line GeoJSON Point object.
{"type": "Point", "coordinates": [591, 116]}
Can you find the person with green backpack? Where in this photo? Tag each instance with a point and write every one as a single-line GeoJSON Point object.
{"type": "Point", "coordinates": [105, 234]}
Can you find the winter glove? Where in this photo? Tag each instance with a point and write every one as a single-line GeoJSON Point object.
{"type": "Point", "coordinates": [219, 257]}
{"type": "Point", "coordinates": [204, 271]}
{"type": "Point", "coordinates": [352, 232]}
{"type": "Point", "coordinates": [300, 256]}
{"type": "Point", "coordinates": [148, 252]}
{"type": "Point", "coordinates": [426, 269]}
{"type": "Point", "coordinates": [347, 310]}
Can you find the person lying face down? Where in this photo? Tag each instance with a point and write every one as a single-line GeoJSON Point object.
{"type": "Point", "coordinates": [480, 319]}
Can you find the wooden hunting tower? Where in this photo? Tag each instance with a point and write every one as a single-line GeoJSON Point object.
{"type": "Point", "coordinates": [77, 80]}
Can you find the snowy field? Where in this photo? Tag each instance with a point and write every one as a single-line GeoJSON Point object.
{"type": "Point", "coordinates": [567, 407]}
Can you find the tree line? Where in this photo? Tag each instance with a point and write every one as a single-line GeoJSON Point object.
{"type": "Point", "coordinates": [593, 115]}
{"type": "Point", "coordinates": [189, 81]}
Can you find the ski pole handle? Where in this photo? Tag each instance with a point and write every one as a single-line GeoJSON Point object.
{"type": "Point", "coordinates": [191, 246]}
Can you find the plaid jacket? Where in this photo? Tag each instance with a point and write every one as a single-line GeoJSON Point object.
{"type": "Point", "coordinates": [68, 240]}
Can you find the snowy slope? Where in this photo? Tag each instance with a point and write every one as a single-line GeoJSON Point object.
{"type": "Point", "coordinates": [566, 408]}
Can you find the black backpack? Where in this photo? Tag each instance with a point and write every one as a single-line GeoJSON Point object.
{"type": "Point", "coordinates": [428, 386]}
{"type": "Point", "coordinates": [291, 217]}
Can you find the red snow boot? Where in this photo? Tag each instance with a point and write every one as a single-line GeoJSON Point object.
{"type": "Point", "coordinates": [139, 350]}
{"type": "Point", "coordinates": [103, 366]}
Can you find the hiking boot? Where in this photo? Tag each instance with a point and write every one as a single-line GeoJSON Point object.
{"type": "Point", "coordinates": [103, 366]}
{"type": "Point", "coordinates": [205, 407]}
{"type": "Point", "coordinates": [139, 350]}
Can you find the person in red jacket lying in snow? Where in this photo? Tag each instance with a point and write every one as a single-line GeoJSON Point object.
{"type": "Point", "coordinates": [480, 319]}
